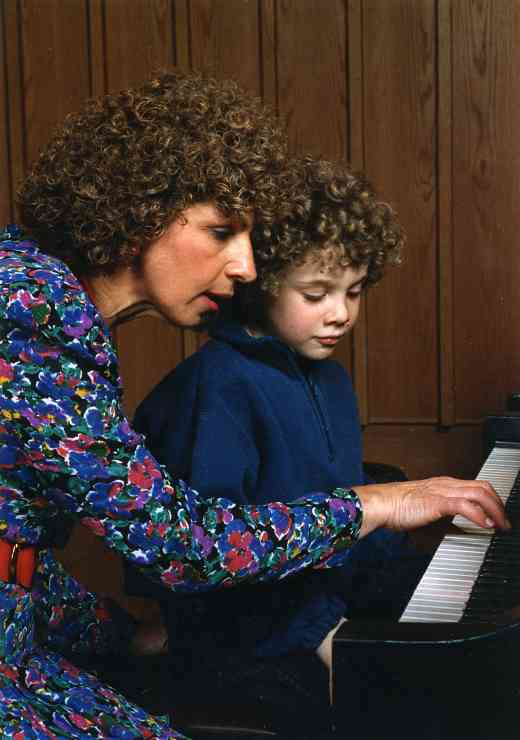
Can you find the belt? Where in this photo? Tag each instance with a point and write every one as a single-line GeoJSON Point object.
{"type": "Point", "coordinates": [17, 563]}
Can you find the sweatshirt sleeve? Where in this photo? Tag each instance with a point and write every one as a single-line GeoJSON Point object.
{"type": "Point", "coordinates": [68, 451]}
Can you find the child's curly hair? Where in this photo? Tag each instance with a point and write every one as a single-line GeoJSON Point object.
{"type": "Point", "coordinates": [336, 219]}
{"type": "Point", "coordinates": [116, 174]}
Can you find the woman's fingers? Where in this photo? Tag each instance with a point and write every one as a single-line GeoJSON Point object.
{"type": "Point", "coordinates": [479, 502]}
{"type": "Point", "coordinates": [413, 504]}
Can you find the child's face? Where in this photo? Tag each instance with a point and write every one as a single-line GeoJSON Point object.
{"type": "Point", "coordinates": [316, 307]}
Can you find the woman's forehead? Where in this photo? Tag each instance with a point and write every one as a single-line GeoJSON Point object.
{"type": "Point", "coordinates": [210, 209]}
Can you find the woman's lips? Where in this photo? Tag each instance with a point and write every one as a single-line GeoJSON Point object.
{"type": "Point", "coordinates": [210, 303]}
{"type": "Point", "coordinates": [213, 301]}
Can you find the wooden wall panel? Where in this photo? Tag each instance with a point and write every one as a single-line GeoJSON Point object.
{"type": "Point", "coordinates": [55, 66]}
{"type": "Point", "coordinates": [15, 161]}
{"type": "Point", "coordinates": [148, 349]}
{"type": "Point", "coordinates": [311, 59]}
{"type": "Point", "coordinates": [422, 450]}
{"type": "Point", "coordinates": [139, 40]}
{"type": "Point", "coordinates": [399, 118]}
{"type": "Point", "coordinates": [225, 40]}
{"type": "Point", "coordinates": [445, 214]}
{"type": "Point", "coordinates": [486, 193]}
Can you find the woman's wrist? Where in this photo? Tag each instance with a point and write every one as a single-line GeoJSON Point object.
{"type": "Point", "coordinates": [374, 506]}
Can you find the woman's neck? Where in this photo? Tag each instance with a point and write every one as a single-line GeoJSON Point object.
{"type": "Point", "coordinates": [117, 296]}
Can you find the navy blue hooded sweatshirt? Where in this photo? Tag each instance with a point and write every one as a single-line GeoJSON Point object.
{"type": "Point", "coordinates": [248, 419]}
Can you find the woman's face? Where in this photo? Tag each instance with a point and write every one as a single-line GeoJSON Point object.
{"type": "Point", "coordinates": [196, 263]}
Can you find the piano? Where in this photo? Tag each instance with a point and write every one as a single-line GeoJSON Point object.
{"type": "Point", "coordinates": [449, 669]}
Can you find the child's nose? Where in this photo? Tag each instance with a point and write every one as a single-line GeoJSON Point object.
{"type": "Point", "coordinates": [339, 314]}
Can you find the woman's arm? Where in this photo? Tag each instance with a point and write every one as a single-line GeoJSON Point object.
{"type": "Point", "coordinates": [68, 449]}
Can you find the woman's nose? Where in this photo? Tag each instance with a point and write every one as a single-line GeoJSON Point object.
{"type": "Point", "coordinates": [242, 265]}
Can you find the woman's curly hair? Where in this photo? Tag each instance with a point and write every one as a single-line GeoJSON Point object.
{"type": "Point", "coordinates": [116, 174]}
{"type": "Point", "coordinates": [336, 219]}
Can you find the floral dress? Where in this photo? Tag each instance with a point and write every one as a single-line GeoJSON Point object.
{"type": "Point", "coordinates": [68, 453]}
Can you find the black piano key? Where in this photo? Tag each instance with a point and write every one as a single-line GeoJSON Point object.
{"type": "Point", "coordinates": [497, 587]}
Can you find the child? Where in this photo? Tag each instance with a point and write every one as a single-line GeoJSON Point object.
{"type": "Point", "coordinates": [264, 386]}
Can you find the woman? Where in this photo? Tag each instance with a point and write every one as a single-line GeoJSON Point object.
{"type": "Point", "coordinates": [143, 202]}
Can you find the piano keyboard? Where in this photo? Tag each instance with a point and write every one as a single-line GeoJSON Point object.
{"type": "Point", "coordinates": [474, 575]}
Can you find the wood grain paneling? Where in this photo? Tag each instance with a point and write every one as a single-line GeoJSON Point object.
{"type": "Point", "coordinates": [139, 40]}
{"type": "Point", "coordinates": [312, 94]}
{"type": "Point", "coordinates": [399, 118]}
{"type": "Point", "coordinates": [400, 159]}
{"type": "Point", "coordinates": [55, 66]}
{"type": "Point", "coordinates": [97, 47]}
{"type": "Point", "coordinates": [423, 451]}
{"type": "Point", "coordinates": [225, 39]}
{"type": "Point", "coordinates": [447, 414]}
{"type": "Point", "coordinates": [182, 35]}
{"type": "Point", "coordinates": [486, 193]}
{"type": "Point", "coordinates": [148, 349]}
{"type": "Point", "coordinates": [268, 48]}
{"type": "Point", "coordinates": [15, 161]}
{"type": "Point", "coordinates": [6, 211]}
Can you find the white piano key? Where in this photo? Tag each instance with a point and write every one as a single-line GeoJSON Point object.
{"type": "Point", "coordinates": [443, 591]}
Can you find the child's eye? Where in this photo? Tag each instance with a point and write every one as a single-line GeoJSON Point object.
{"type": "Point", "coordinates": [355, 292]}
{"type": "Point", "coordinates": [312, 297]}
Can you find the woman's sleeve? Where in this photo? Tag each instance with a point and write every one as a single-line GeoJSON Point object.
{"type": "Point", "coordinates": [69, 444]}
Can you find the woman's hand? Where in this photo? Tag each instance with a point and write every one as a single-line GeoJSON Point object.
{"type": "Point", "coordinates": [413, 504]}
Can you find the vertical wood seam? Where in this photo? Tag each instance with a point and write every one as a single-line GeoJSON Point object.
{"type": "Point", "coordinates": [268, 53]}
{"type": "Point", "coordinates": [15, 116]}
{"type": "Point", "coordinates": [183, 52]}
{"type": "Point", "coordinates": [3, 62]}
{"type": "Point", "coordinates": [276, 58]}
{"type": "Point", "coordinates": [356, 116]}
{"type": "Point", "coordinates": [445, 213]}
{"type": "Point", "coordinates": [97, 47]}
